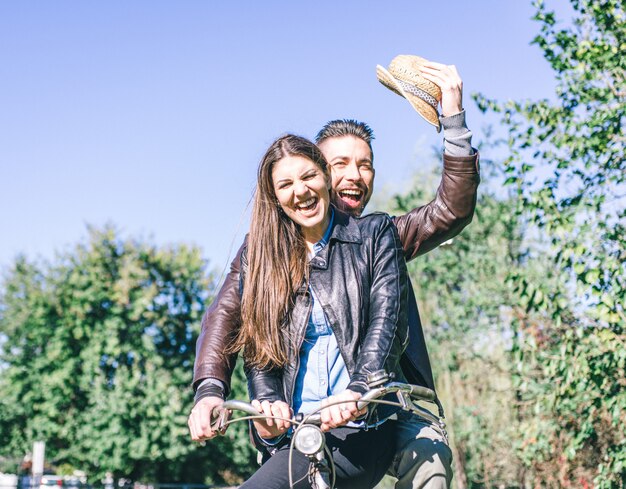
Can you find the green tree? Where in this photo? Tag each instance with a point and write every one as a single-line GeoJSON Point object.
{"type": "Point", "coordinates": [567, 167]}
{"type": "Point", "coordinates": [467, 310]}
{"type": "Point", "coordinates": [97, 361]}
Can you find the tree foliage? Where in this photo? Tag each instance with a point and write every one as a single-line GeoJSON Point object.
{"type": "Point", "coordinates": [468, 310]}
{"type": "Point", "coordinates": [97, 362]}
{"type": "Point", "coordinates": [524, 311]}
{"type": "Point", "coordinates": [567, 168]}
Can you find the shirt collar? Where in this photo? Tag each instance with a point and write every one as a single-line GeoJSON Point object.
{"type": "Point", "coordinates": [317, 247]}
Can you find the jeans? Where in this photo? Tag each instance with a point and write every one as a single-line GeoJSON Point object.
{"type": "Point", "coordinates": [423, 459]}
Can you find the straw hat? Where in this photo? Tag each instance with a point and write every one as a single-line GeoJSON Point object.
{"type": "Point", "coordinates": [404, 78]}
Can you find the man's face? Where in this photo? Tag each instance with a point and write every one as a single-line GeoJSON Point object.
{"type": "Point", "coordinates": [351, 170]}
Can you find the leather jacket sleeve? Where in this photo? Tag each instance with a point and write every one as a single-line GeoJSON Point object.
{"type": "Point", "coordinates": [220, 323]}
{"type": "Point", "coordinates": [265, 384]}
{"type": "Point", "coordinates": [426, 227]}
{"type": "Point", "coordinates": [386, 335]}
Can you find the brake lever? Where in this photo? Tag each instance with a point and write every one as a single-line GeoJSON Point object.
{"type": "Point", "coordinates": [405, 400]}
{"type": "Point", "coordinates": [219, 417]}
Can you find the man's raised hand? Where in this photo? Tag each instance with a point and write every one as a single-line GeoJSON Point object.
{"type": "Point", "coordinates": [448, 79]}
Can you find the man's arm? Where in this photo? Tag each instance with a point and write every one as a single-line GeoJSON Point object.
{"type": "Point", "coordinates": [426, 227]}
{"type": "Point", "coordinates": [213, 367]}
{"type": "Point", "coordinates": [220, 323]}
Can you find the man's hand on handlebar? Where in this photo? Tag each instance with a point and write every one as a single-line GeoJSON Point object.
{"type": "Point", "coordinates": [202, 414]}
{"type": "Point", "coordinates": [336, 415]}
{"type": "Point", "coordinates": [271, 428]}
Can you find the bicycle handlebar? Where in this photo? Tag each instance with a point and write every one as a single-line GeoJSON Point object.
{"type": "Point", "coordinates": [244, 406]}
{"type": "Point", "coordinates": [415, 392]}
{"type": "Point", "coordinates": [248, 408]}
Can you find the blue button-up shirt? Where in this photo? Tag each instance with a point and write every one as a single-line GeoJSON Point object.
{"type": "Point", "coordinates": [322, 371]}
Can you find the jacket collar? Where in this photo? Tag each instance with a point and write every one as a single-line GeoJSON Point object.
{"type": "Point", "coordinates": [345, 229]}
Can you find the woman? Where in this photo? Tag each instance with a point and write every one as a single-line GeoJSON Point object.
{"type": "Point", "coordinates": [323, 305]}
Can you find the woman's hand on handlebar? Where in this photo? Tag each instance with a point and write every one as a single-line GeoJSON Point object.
{"type": "Point", "coordinates": [271, 427]}
{"type": "Point", "coordinates": [202, 414]}
{"type": "Point", "coordinates": [336, 415]}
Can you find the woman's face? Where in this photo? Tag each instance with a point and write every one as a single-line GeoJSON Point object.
{"type": "Point", "coordinates": [302, 190]}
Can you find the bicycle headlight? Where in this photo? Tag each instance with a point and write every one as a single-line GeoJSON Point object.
{"type": "Point", "coordinates": [309, 440]}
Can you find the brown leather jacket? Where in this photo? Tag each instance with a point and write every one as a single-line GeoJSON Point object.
{"type": "Point", "coordinates": [420, 230]}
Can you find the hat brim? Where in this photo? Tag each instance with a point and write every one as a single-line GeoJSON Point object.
{"type": "Point", "coordinates": [427, 111]}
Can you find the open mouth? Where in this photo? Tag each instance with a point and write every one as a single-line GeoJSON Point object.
{"type": "Point", "coordinates": [308, 205]}
{"type": "Point", "coordinates": [351, 197]}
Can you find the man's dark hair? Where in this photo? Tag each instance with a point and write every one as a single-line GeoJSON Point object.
{"type": "Point", "coordinates": [346, 127]}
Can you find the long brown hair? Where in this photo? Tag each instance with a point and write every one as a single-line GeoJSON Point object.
{"type": "Point", "coordinates": [277, 261]}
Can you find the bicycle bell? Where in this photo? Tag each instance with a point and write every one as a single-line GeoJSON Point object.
{"type": "Point", "coordinates": [377, 378]}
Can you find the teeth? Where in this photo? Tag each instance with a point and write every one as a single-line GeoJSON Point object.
{"type": "Point", "coordinates": [356, 193]}
{"type": "Point", "coordinates": [306, 203]}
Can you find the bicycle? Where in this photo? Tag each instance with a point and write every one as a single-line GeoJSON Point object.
{"type": "Point", "coordinates": [308, 438]}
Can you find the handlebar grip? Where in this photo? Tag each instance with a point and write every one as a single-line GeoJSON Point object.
{"type": "Point", "coordinates": [419, 393]}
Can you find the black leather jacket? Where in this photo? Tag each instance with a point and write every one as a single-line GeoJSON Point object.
{"type": "Point", "coordinates": [360, 279]}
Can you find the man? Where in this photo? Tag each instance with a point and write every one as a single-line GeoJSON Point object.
{"type": "Point", "coordinates": [423, 458]}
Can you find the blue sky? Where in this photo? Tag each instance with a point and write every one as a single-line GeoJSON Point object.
{"type": "Point", "coordinates": [153, 115]}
